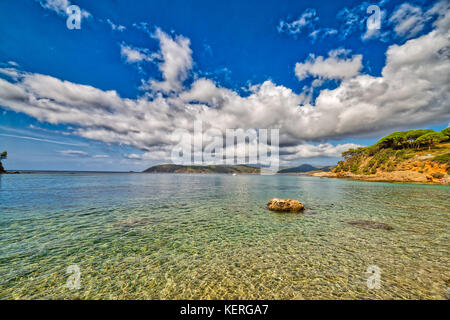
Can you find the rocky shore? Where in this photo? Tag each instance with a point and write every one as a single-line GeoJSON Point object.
{"type": "Point", "coordinates": [394, 176]}
{"type": "Point", "coordinates": [415, 156]}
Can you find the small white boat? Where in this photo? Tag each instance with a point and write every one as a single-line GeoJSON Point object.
{"type": "Point", "coordinates": [234, 174]}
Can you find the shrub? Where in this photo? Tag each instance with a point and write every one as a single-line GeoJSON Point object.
{"type": "Point", "coordinates": [443, 158]}
{"type": "Point", "coordinates": [355, 167]}
{"type": "Point", "coordinates": [372, 162]}
{"type": "Point", "coordinates": [390, 166]}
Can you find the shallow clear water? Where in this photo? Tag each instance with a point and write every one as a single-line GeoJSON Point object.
{"type": "Point", "coordinates": [162, 236]}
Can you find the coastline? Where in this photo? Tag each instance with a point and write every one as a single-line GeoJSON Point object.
{"type": "Point", "coordinates": [411, 177]}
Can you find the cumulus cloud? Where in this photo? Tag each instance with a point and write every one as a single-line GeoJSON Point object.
{"type": "Point", "coordinates": [305, 21]}
{"type": "Point", "coordinates": [336, 66]}
{"type": "Point", "coordinates": [413, 89]}
{"type": "Point", "coordinates": [176, 63]}
{"type": "Point", "coordinates": [312, 151]}
{"type": "Point", "coordinates": [10, 72]}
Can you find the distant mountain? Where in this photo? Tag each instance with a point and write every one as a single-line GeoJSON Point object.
{"type": "Point", "coordinates": [173, 168]}
{"type": "Point", "coordinates": [304, 168]}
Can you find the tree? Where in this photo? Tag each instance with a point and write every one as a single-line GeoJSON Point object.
{"type": "Point", "coordinates": [3, 156]}
{"type": "Point", "coordinates": [350, 153]}
{"type": "Point", "coordinates": [395, 140]}
{"type": "Point", "coordinates": [446, 132]}
{"type": "Point", "coordinates": [412, 135]}
{"type": "Point", "coordinates": [430, 139]}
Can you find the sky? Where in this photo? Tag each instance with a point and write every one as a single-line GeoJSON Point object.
{"type": "Point", "coordinates": [330, 75]}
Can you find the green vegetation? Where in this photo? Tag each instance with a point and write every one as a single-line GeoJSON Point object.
{"type": "Point", "coordinates": [430, 139]}
{"type": "Point", "coordinates": [443, 158]}
{"type": "Point", "coordinates": [173, 168]}
{"type": "Point", "coordinates": [446, 132]}
{"type": "Point", "coordinates": [391, 150]}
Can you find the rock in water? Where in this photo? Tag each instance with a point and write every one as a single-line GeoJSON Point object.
{"type": "Point", "coordinates": [285, 205]}
{"type": "Point", "coordinates": [366, 224]}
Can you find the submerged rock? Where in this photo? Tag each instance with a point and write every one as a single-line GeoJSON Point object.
{"type": "Point", "coordinates": [366, 224]}
{"type": "Point", "coordinates": [285, 205]}
{"type": "Point", "coordinates": [131, 223]}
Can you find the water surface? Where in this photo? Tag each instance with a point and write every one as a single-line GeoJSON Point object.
{"type": "Point", "coordinates": [163, 236]}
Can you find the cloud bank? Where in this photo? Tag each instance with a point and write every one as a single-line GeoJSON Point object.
{"type": "Point", "coordinates": [413, 89]}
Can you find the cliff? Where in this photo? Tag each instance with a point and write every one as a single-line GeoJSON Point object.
{"type": "Point", "coordinates": [421, 156]}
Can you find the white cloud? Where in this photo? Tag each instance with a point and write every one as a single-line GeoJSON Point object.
{"type": "Point", "coordinates": [10, 72]}
{"type": "Point", "coordinates": [39, 139]}
{"type": "Point", "coordinates": [355, 19]}
{"type": "Point", "coordinates": [322, 33]}
{"type": "Point", "coordinates": [135, 55]}
{"type": "Point", "coordinates": [115, 27]}
{"type": "Point", "coordinates": [100, 156]}
{"type": "Point", "coordinates": [60, 7]}
{"type": "Point", "coordinates": [413, 89]}
{"type": "Point", "coordinates": [314, 151]}
{"type": "Point", "coordinates": [337, 66]}
{"type": "Point", "coordinates": [176, 56]}
{"type": "Point", "coordinates": [133, 156]}
{"type": "Point", "coordinates": [406, 21]}
{"type": "Point", "coordinates": [71, 153]}
{"type": "Point", "coordinates": [350, 20]}
{"type": "Point", "coordinates": [409, 20]}
{"type": "Point", "coordinates": [305, 21]}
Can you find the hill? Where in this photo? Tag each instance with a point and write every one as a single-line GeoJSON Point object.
{"type": "Point", "coordinates": [304, 168]}
{"type": "Point", "coordinates": [404, 156]}
{"type": "Point", "coordinates": [173, 168]}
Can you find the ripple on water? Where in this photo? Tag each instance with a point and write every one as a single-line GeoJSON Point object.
{"type": "Point", "coordinates": [211, 237]}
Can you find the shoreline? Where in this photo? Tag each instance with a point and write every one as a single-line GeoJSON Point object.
{"type": "Point", "coordinates": [395, 177]}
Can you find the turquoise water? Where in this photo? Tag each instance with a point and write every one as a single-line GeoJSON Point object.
{"type": "Point", "coordinates": [162, 236]}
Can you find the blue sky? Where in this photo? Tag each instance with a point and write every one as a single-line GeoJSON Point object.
{"type": "Point", "coordinates": [108, 96]}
